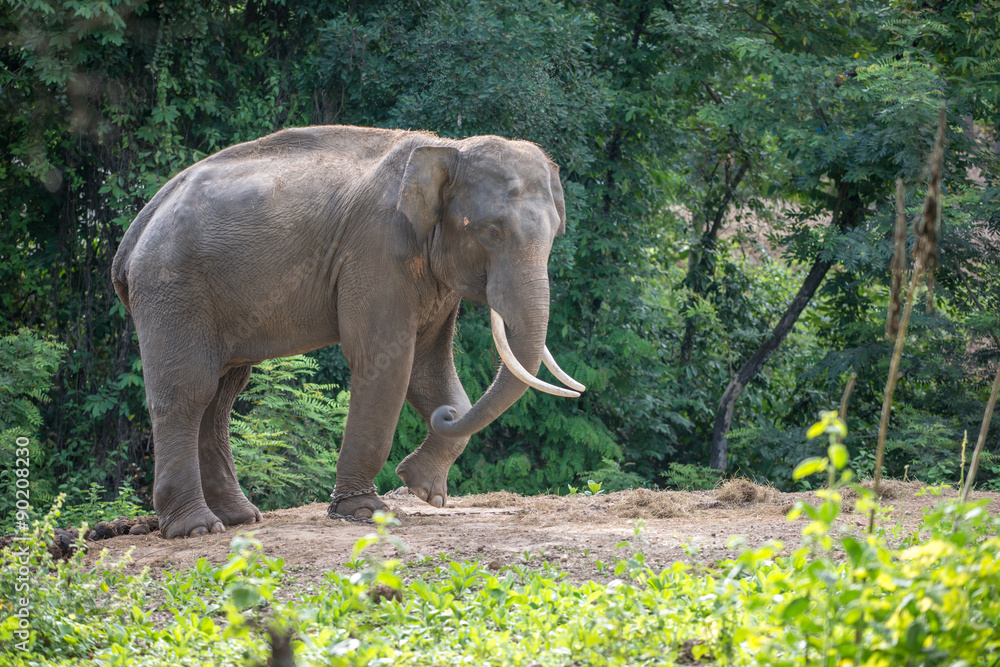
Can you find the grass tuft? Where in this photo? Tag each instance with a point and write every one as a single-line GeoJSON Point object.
{"type": "Point", "coordinates": [646, 504]}
{"type": "Point", "coordinates": [495, 499]}
{"type": "Point", "coordinates": [741, 490]}
{"type": "Point", "coordinates": [888, 489]}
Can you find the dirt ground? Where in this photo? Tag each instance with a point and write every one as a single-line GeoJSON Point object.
{"type": "Point", "coordinates": [502, 528]}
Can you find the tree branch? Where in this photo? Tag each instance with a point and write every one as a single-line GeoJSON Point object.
{"type": "Point", "coordinates": [711, 93]}
{"type": "Point", "coordinates": [766, 27]}
{"type": "Point", "coordinates": [720, 212]}
{"type": "Point", "coordinates": [724, 416]}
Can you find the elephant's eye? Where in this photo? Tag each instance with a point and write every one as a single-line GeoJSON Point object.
{"type": "Point", "coordinates": [494, 233]}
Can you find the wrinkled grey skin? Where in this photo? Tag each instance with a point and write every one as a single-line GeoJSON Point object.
{"type": "Point", "coordinates": [320, 235]}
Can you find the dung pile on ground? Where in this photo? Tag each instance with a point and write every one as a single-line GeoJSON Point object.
{"type": "Point", "coordinates": [123, 525]}
{"type": "Point", "coordinates": [63, 543]}
{"type": "Point", "coordinates": [645, 504]}
{"type": "Point", "coordinates": [380, 592]}
{"type": "Point", "coordinates": [494, 499]}
{"type": "Point", "coordinates": [741, 491]}
{"type": "Point", "coordinates": [62, 546]}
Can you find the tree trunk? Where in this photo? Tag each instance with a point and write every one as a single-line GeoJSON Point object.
{"type": "Point", "coordinates": [846, 212]}
{"type": "Point", "coordinates": [724, 416]}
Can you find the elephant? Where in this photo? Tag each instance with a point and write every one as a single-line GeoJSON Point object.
{"type": "Point", "coordinates": [318, 235]}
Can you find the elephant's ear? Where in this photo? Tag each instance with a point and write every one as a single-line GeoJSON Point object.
{"type": "Point", "coordinates": [555, 185]}
{"type": "Point", "coordinates": [421, 195]}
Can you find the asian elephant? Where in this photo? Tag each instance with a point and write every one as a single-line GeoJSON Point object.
{"type": "Point", "coordinates": [318, 235]}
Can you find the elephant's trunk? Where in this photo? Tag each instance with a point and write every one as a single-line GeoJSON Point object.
{"type": "Point", "coordinates": [522, 322]}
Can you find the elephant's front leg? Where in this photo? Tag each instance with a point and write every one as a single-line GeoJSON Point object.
{"type": "Point", "coordinates": [380, 362]}
{"type": "Point", "coordinates": [434, 383]}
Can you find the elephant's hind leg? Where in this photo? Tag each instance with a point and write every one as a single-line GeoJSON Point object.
{"type": "Point", "coordinates": [218, 472]}
{"type": "Point", "coordinates": [179, 387]}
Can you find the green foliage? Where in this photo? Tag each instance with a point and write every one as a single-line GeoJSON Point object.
{"type": "Point", "coordinates": [95, 509]}
{"type": "Point", "coordinates": [690, 134]}
{"type": "Point", "coordinates": [941, 391]}
{"type": "Point", "coordinates": [691, 477]}
{"type": "Point", "coordinates": [592, 489]}
{"type": "Point", "coordinates": [612, 476]}
{"type": "Point", "coordinates": [73, 608]}
{"type": "Point", "coordinates": [285, 445]}
{"type": "Point", "coordinates": [27, 364]}
{"type": "Point", "coordinates": [838, 598]}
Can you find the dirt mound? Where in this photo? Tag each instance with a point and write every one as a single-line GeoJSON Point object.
{"type": "Point", "coordinates": [888, 489]}
{"type": "Point", "coordinates": [495, 499]}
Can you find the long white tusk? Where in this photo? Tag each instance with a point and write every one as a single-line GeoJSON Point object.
{"type": "Point", "coordinates": [562, 375]}
{"type": "Point", "coordinates": [515, 367]}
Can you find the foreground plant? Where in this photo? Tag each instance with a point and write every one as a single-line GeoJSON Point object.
{"type": "Point", "coordinates": [838, 599]}
{"type": "Point", "coordinates": [925, 262]}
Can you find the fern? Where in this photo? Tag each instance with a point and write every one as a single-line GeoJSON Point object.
{"type": "Point", "coordinates": [613, 477]}
{"type": "Point", "coordinates": [27, 364]}
{"type": "Point", "coordinates": [285, 445]}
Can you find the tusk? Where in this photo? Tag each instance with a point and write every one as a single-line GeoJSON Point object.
{"type": "Point", "coordinates": [562, 375]}
{"type": "Point", "coordinates": [515, 367]}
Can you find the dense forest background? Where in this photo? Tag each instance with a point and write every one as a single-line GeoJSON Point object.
{"type": "Point", "coordinates": [729, 170]}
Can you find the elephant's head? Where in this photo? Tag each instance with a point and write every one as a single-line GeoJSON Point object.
{"type": "Point", "coordinates": [487, 210]}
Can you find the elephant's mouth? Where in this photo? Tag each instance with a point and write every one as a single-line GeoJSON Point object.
{"type": "Point", "coordinates": [522, 374]}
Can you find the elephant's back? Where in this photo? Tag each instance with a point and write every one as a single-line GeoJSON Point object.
{"type": "Point", "coordinates": [281, 198]}
{"type": "Point", "coordinates": [344, 144]}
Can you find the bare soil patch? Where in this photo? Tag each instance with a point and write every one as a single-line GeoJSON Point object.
{"type": "Point", "coordinates": [504, 528]}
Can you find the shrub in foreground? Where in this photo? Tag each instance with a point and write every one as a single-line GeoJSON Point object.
{"type": "Point", "coordinates": [838, 599]}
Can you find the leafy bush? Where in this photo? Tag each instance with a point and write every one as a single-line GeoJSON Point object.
{"type": "Point", "coordinates": [72, 608]}
{"type": "Point", "coordinates": [95, 509]}
{"type": "Point", "coordinates": [285, 445]}
{"type": "Point", "coordinates": [612, 476]}
{"type": "Point", "coordinates": [691, 477]}
{"type": "Point", "coordinates": [933, 601]}
{"type": "Point", "coordinates": [28, 362]}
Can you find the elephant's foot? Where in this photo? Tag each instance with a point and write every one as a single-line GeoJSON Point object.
{"type": "Point", "coordinates": [234, 509]}
{"type": "Point", "coordinates": [191, 523]}
{"type": "Point", "coordinates": [359, 507]}
{"type": "Point", "coordinates": [426, 481]}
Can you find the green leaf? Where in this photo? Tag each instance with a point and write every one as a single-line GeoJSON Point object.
{"type": "Point", "coordinates": [795, 608]}
{"type": "Point", "coordinates": [838, 455]}
{"type": "Point", "coordinates": [243, 596]}
{"type": "Point", "coordinates": [854, 549]}
{"type": "Point", "coordinates": [808, 467]}
{"type": "Point", "coordinates": [816, 430]}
